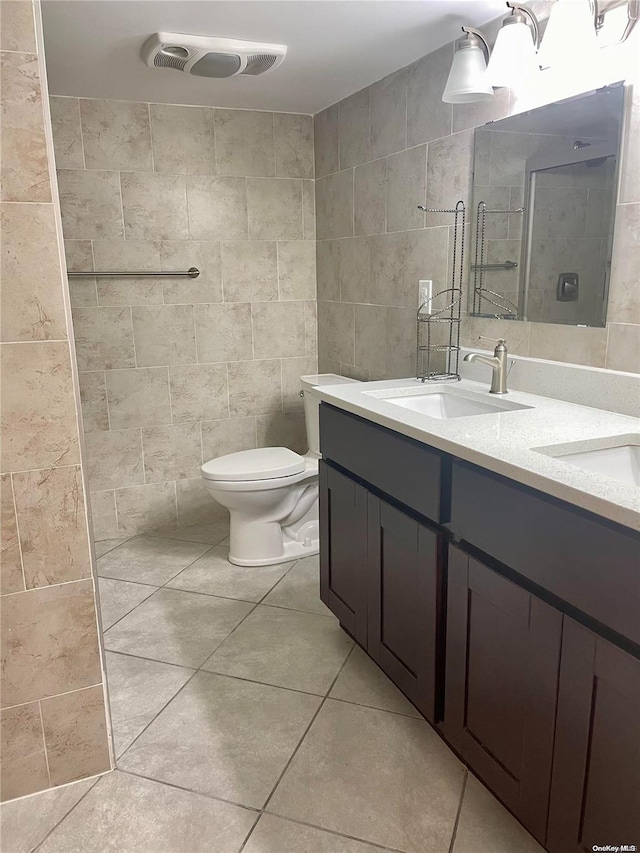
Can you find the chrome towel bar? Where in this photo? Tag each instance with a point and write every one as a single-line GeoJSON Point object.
{"type": "Point", "coordinates": [192, 272]}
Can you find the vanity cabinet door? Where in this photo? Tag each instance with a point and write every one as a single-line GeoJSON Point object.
{"type": "Point", "coordinates": [502, 664]}
{"type": "Point", "coordinates": [595, 790]}
{"type": "Point", "coordinates": [404, 589]}
{"type": "Point", "coordinates": [343, 550]}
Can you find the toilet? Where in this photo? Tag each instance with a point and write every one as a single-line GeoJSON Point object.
{"type": "Point", "coordinates": [272, 493]}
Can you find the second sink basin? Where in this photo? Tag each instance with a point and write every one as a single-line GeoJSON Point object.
{"type": "Point", "coordinates": [619, 459]}
{"type": "Point", "coordinates": [445, 403]}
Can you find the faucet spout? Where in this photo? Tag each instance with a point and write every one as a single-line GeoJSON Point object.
{"type": "Point", "coordinates": [498, 363]}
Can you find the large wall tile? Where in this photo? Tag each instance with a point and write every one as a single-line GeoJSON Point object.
{"type": "Point", "coordinates": [116, 135]}
{"type": "Point", "coordinates": [466, 116]}
{"type": "Point", "coordinates": [574, 344]}
{"type": "Point", "coordinates": [75, 734]}
{"type": "Point", "coordinates": [293, 145]}
{"type": "Point", "coordinates": [155, 206]}
{"type": "Point", "coordinates": [16, 26]}
{"type": "Point", "coordinates": [32, 306]}
{"type": "Point", "coordinates": [199, 392]}
{"type": "Point", "coordinates": [311, 327]}
{"type": "Point", "coordinates": [171, 452]}
{"type": "Point", "coordinates": [23, 161]}
{"type": "Point", "coordinates": [275, 208]}
{"type": "Point", "coordinates": [223, 332]}
{"type": "Point", "coordinates": [630, 170]}
{"type": "Point", "coordinates": [39, 427]}
{"type": "Point", "coordinates": [427, 116]}
{"type": "Point", "coordinates": [164, 335]}
{"type": "Point", "coordinates": [406, 176]}
{"type": "Point", "coordinates": [353, 129]}
{"type": "Point", "coordinates": [282, 429]}
{"type": "Point", "coordinates": [145, 509]}
{"type": "Point", "coordinates": [24, 762]}
{"type": "Point", "coordinates": [103, 338]}
{"type": "Point", "coordinates": [336, 332]}
{"type": "Point", "coordinates": [334, 200]}
{"type": "Point", "coordinates": [93, 396]}
{"type": "Point", "coordinates": [278, 329]}
{"type": "Point", "coordinates": [389, 114]}
{"type": "Point", "coordinates": [297, 269]}
{"type": "Point", "coordinates": [388, 258]}
{"type": "Point", "coordinates": [103, 515]}
{"type": "Point", "coordinates": [244, 142]}
{"type": "Point", "coordinates": [427, 257]}
{"type": "Point", "coordinates": [180, 255]}
{"type": "Point", "coordinates": [255, 387]}
{"type": "Point", "coordinates": [325, 130]}
{"type": "Point", "coordinates": [355, 269]}
{"type": "Point", "coordinates": [448, 174]}
{"type": "Point", "coordinates": [53, 525]}
{"type": "Point", "coordinates": [623, 348]}
{"type": "Point", "coordinates": [67, 133]}
{"type": "Point", "coordinates": [90, 204]}
{"type": "Point", "coordinates": [114, 459]}
{"type": "Point", "coordinates": [183, 140]}
{"type": "Point", "coordinates": [328, 269]}
{"type": "Point", "coordinates": [249, 271]}
{"type": "Point", "coordinates": [52, 647]}
{"type": "Point", "coordinates": [309, 210]}
{"type": "Point", "coordinates": [400, 343]}
{"type": "Point", "coordinates": [11, 577]}
{"type": "Point", "coordinates": [138, 397]}
{"type": "Point", "coordinates": [127, 255]}
{"type": "Point", "coordinates": [227, 436]}
{"type": "Point", "coordinates": [195, 504]}
{"type": "Point", "coordinates": [624, 293]}
{"type": "Point", "coordinates": [217, 208]}
{"type": "Point", "coordinates": [370, 338]}
{"type": "Point", "coordinates": [370, 198]}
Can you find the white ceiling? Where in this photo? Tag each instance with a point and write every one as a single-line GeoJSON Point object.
{"type": "Point", "coordinates": [336, 47]}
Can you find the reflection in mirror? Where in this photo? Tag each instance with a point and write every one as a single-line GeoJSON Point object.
{"type": "Point", "coordinates": [544, 195]}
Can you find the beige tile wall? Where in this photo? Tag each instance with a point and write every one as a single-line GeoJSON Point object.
{"type": "Point", "coordinates": [53, 720]}
{"type": "Point", "coordinates": [173, 371]}
{"type": "Point", "coordinates": [392, 146]}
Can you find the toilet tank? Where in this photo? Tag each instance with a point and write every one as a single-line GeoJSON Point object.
{"type": "Point", "coordinates": [312, 405]}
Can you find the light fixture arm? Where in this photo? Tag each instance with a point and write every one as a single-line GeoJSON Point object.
{"type": "Point", "coordinates": [601, 7]}
{"type": "Point", "coordinates": [529, 18]}
{"type": "Point", "coordinates": [482, 42]}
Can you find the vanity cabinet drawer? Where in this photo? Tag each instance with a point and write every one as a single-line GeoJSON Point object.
{"type": "Point", "coordinates": [591, 565]}
{"type": "Point", "coordinates": [406, 470]}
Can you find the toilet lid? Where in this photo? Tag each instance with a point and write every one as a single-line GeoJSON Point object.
{"type": "Point", "coordinates": [264, 463]}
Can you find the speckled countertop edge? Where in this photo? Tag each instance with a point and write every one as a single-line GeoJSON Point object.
{"type": "Point", "coordinates": [504, 442]}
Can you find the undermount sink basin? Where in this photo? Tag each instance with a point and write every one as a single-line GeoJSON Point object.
{"type": "Point", "coordinates": [445, 403]}
{"type": "Point", "coordinates": [620, 459]}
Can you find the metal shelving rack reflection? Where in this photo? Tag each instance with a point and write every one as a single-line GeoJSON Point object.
{"type": "Point", "coordinates": [438, 337]}
{"type": "Point", "coordinates": [506, 308]}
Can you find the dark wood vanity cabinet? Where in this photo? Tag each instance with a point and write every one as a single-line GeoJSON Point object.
{"type": "Point", "coordinates": [404, 590]}
{"type": "Point", "coordinates": [595, 787]}
{"type": "Point", "coordinates": [343, 550]}
{"type": "Point", "coordinates": [509, 618]}
{"type": "Point", "coordinates": [501, 680]}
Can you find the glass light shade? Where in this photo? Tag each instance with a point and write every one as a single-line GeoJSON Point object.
{"type": "Point", "coordinates": [513, 60]}
{"type": "Point", "coordinates": [466, 82]}
{"type": "Point", "coordinates": [570, 37]}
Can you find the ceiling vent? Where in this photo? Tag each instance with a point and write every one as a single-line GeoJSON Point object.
{"type": "Point", "coordinates": [211, 57]}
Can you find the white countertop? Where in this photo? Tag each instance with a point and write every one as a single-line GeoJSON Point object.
{"type": "Point", "coordinates": [503, 442]}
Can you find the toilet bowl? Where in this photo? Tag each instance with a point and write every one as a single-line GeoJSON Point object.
{"type": "Point", "coordinates": [272, 493]}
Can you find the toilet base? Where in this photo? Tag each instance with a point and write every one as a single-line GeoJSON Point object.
{"type": "Point", "coordinates": [307, 545]}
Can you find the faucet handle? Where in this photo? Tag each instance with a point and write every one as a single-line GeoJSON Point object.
{"type": "Point", "coordinates": [493, 340]}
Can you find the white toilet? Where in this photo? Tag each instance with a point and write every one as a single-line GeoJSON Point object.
{"type": "Point", "coordinates": [272, 493]}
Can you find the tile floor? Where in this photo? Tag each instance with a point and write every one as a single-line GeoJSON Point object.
{"type": "Point", "coordinates": [245, 719]}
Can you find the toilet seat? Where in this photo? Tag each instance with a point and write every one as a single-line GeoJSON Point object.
{"type": "Point", "coordinates": [263, 463]}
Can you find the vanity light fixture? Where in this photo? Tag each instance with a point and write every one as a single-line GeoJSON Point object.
{"type": "Point", "coordinates": [513, 59]}
{"type": "Point", "coordinates": [467, 82]}
{"type": "Point", "coordinates": [570, 36]}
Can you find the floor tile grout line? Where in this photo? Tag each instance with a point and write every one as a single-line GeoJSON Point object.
{"type": "Point", "coordinates": [261, 683]}
{"type": "Point", "coordinates": [458, 812]}
{"type": "Point", "coordinates": [66, 814]}
{"type": "Point", "coordinates": [191, 669]}
{"type": "Point", "coordinates": [335, 832]}
{"type": "Point", "coordinates": [306, 731]}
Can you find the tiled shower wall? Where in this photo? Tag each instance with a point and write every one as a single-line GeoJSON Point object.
{"type": "Point", "coordinates": [392, 146]}
{"type": "Point", "coordinates": [177, 371]}
{"type": "Point", "coordinates": [53, 721]}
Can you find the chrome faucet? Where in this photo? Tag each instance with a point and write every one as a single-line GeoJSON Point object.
{"type": "Point", "coordinates": [498, 361]}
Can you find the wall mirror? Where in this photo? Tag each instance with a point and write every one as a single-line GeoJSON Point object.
{"type": "Point", "coordinates": [542, 214]}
